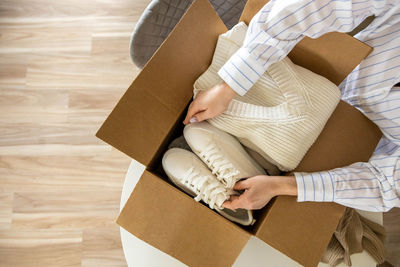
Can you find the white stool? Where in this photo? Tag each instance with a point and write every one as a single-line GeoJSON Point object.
{"type": "Point", "coordinates": [256, 253]}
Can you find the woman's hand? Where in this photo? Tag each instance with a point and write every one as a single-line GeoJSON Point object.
{"type": "Point", "coordinates": [209, 104]}
{"type": "Point", "coordinates": [259, 190]}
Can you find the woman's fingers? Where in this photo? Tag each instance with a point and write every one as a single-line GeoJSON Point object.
{"type": "Point", "coordinates": [235, 202]}
{"type": "Point", "coordinates": [241, 185]}
{"type": "Point", "coordinates": [201, 116]}
{"type": "Point", "coordinates": [192, 110]}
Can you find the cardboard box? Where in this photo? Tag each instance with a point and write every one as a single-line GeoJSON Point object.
{"type": "Point", "coordinates": [150, 114]}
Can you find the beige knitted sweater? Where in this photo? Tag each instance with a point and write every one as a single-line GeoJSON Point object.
{"type": "Point", "coordinates": [281, 116]}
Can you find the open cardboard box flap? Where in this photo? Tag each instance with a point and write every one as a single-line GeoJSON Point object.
{"type": "Point", "coordinates": [184, 229]}
{"type": "Point", "coordinates": [150, 107]}
{"type": "Point", "coordinates": [142, 123]}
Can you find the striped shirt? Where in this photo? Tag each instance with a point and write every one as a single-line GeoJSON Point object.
{"type": "Point", "coordinates": [277, 28]}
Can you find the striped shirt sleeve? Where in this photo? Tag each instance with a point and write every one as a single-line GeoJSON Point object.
{"type": "Point", "coordinates": [280, 25]}
{"type": "Point", "coordinates": [361, 185]}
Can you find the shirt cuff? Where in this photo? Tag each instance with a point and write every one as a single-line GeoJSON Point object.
{"type": "Point", "coordinates": [316, 186]}
{"type": "Point", "coordinates": [241, 71]}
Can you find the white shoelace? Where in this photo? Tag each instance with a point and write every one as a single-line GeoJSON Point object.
{"type": "Point", "coordinates": [206, 188]}
{"type": "Point", "coordinates": [220, 166]}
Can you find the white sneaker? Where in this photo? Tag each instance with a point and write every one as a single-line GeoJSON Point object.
{"type": "Point", "coordinates": [222, 153]}
{"type": "Point", "coordinates": [190, 174]}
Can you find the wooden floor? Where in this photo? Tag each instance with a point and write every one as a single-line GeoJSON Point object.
{"type": "Point", "coordinates": [63, 67]}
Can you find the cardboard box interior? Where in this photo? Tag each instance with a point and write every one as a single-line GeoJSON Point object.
{"type": "Point", "coordinates": [150, 114]}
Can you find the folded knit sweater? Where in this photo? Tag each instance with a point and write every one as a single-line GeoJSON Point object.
{"type": "Point", "coordinates": [282, 115]}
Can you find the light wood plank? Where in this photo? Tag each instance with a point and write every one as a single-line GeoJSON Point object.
{"type": "Point", "coordinates": [63, 67]}
{"type": "Point", "coordinates": [66, 10]}
{"type": "Point", "coordinates": [45, 39]}
{"type": "Point", "coordinates": [29, 133]}
{"type": "Point", "coordinates": [12, 100]}
{"type": "Point", "coordinates": [65, 209]}
{"type": "Point", "coordinates": [102, 247]}
{"type": "Point", "coordinates": [40, 247]}
{"type": "Point", "coordinates": [12, 72]}
{"type": "Point", "coordinates": [64, 72]}
{"type": "Point", "coordinates": [105, 171]}
{"type": "Point", "coordinates": [6, 200]}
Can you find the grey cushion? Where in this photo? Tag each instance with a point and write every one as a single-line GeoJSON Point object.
{"type": "Point", "coordinates": [161, 16]}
